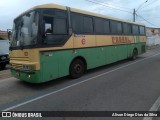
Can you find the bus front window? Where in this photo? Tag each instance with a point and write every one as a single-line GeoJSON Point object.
{"type": "Point", "coordinates": [25, 30]}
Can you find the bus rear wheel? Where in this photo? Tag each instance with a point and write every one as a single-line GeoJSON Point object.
{"type": "Point", "coordinates": [134, 54]}
{"type": "Point", "coordinates": [77, 68]}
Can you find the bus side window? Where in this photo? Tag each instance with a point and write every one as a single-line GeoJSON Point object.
{"type": "Point", "coordinates": [126, 28]}
{"type": "Point", "coordinates": [119, 28]}
{"type": "Point", "coordinates": [48, 21]}
{"type": "Point", "coordinates": [55, 30]}
{"type": "Point", "coordinates": [114, 26]}
{"type": "Point", "coordinates": [106, 27]}
{"type": "Point", "coordinates": [60, 26]}
{"type": "Point", "coordinates": [135, 29]}
{"type": "Point", "coordinates": [142, 30]}
{"type": "Point", "coordinates": [99, 26]}
{"type": "Point", "coordinates": [88, 24]}
{"type": "Point", "coordinates": [77, 23]}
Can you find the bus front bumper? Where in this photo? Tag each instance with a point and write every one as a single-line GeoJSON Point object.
{"type": "Point", "coordinates": [28, 76]}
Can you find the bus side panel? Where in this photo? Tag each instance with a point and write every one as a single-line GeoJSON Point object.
{"type": "Point", "coordinates": [55, 64]}
{"type": "Point", "coordinates": [131, 47]}
{"type": "Point", "coordinates": [64, 61]}
{"type": "Point", "coordinates": [95, 57]}
{"type": "Point", "coordinates": [116, 53]}
{"type": "Point", "coordinates": [121, 52]}
{"type": "Point", "coordinates": [49, 66]}
{"type": "Point", "coordinates": [111, 54]}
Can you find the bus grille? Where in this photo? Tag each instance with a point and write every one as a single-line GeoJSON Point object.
{"type": "Point", "coordinates": [19, 59]}
{"type": "Point", "coordinates": [17, 66]}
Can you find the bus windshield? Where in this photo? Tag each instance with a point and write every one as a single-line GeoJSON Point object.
{"type": "Point", "coordinates": [25, 30]}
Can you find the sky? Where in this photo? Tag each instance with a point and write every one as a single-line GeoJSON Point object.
{"type": "Point", "coordinates": [146, 12]}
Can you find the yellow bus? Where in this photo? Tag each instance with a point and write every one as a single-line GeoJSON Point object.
{"type": "Point", "coordinates": [51, 41]}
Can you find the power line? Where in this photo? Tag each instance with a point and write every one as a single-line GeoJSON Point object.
{"type": "Point", "coordinates": [108, 6]}
{"type": "Point", "coordinates": [141, 5]}
{"type": "Point", "coordinates": [153, 1]}
{"type": "Point", "coordinates": [134, 10]}
{"type": "Point", "coordinates": [114, 5]}
{"type": "Point", "coordinates": [146, 20]}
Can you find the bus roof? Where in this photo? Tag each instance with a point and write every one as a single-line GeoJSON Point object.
{"type": "Point", "coordinates": [78, 11]}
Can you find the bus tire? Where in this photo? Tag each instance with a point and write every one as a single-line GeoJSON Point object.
{"type": "Point", "coordinates": [134, 54]}
{"type": "Point", "coordinates": [77, 68]}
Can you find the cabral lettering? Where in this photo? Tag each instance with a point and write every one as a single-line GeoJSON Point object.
{"type": "Point", "coordinates": [120, 40]}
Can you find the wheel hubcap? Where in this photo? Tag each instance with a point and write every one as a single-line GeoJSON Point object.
{"type": "Point", "coordinates": [77, 68]}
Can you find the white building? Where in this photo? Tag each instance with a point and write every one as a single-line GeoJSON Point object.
{"type": "Point", "coordinates": [153, 36]}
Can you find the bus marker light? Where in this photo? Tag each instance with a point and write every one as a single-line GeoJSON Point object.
{"type": "Point", "coordinates": [29, 76]}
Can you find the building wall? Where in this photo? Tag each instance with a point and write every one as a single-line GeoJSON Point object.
{"type": "Point", "coordinates": [153, 36]}
{"type": "Point", "coordinates": [152, 31]}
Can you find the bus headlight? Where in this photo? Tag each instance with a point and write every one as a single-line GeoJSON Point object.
{"type": "Point", "coordinates": [29, 67]}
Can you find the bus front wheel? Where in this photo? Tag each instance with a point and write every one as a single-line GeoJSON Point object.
{"type": "Point", "coordinates": [134, 54]}
{"type": "Point", "coordinates": [77, 68]}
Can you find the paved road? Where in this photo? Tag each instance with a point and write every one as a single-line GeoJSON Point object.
{"type": "Point", "coordinates": [123, 86]}
{"type": "Point", "coordinates": [5, 73]}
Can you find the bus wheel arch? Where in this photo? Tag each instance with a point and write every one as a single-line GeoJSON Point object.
{"type": "Point", "coordinates": [77, 68]}
{"type": "Point", "coordinates": [134, 53]}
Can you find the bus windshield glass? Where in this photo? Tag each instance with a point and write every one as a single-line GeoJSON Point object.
{"type": "Point", "coordinates": [25, 30]}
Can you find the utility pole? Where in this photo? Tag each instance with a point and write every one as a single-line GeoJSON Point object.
{"type": "Point", "coordinates": [134, 10]}
{"type": "Point", "coordinates": [134, 15]}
